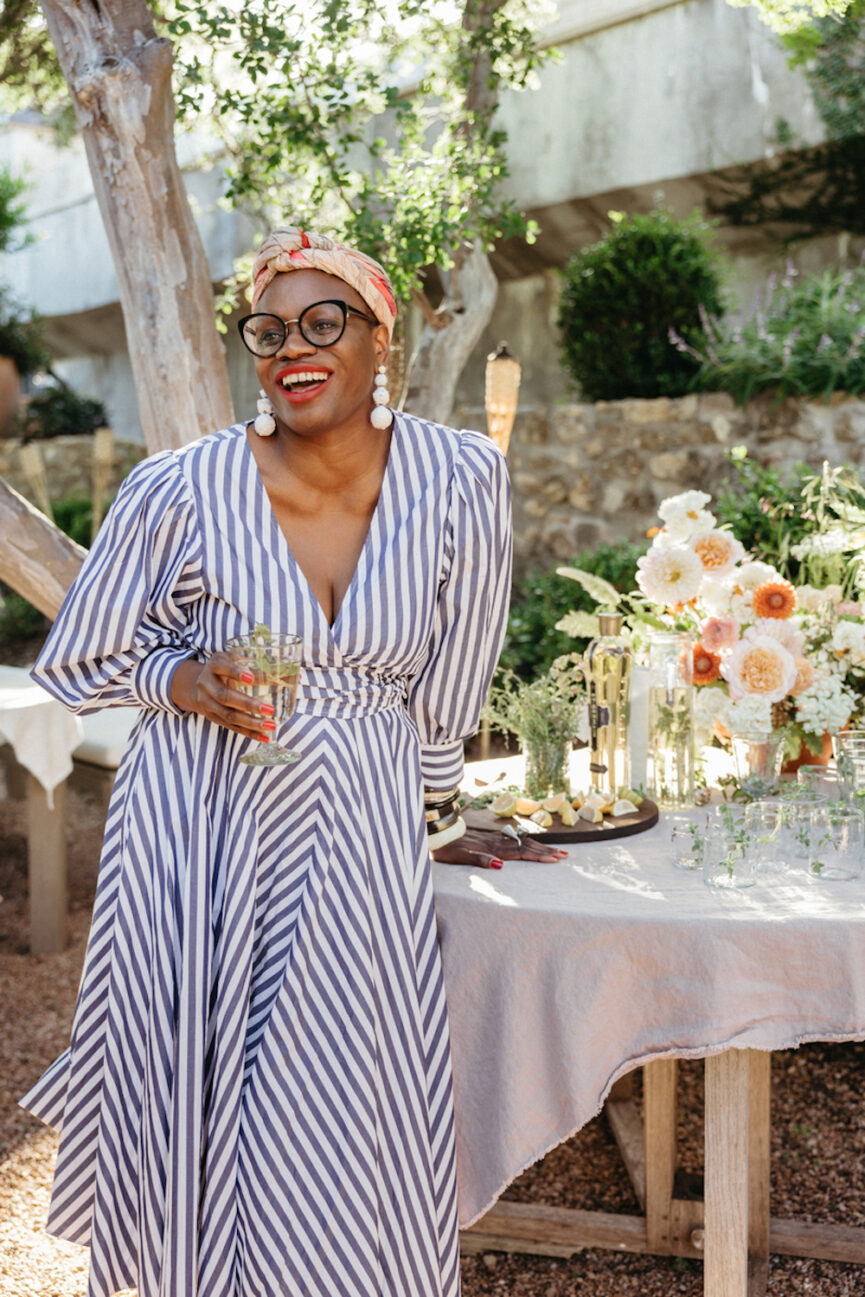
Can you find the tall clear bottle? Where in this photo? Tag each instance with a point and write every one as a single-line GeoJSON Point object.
{"type": "Point", "coordinates": [607, 665]}
{"type": "Point", "coordinates": [670, 764]}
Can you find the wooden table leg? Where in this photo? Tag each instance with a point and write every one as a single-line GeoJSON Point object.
{"type": "Point", "coordinates": [728, 1079]}
{"type": "Point", "coordinates": [660, 1082]}
{"type": "Point", "coordinates": [46, 850]}
{"type": "Point", "coordinates": [759, 1133]}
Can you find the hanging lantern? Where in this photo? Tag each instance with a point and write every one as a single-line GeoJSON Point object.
{"type": "Point", "coordinates": [500, 395]}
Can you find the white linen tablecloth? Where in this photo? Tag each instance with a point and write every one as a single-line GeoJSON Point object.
{"type": "Point", "coordinates": [43, 734]}
{"type": "Point", "coordinates": [562, 978]}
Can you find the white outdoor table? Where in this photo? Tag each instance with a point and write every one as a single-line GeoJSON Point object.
{"type": "Point", "coordinates": [43, 736]}
{"type": "Point", "coordinates": [562, 979]}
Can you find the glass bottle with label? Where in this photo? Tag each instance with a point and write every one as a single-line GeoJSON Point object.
{"type": "Point", "coordinates": [607, 666]}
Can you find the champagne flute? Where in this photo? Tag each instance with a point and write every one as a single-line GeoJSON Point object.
{"type": "Point", "coordinates": [273, 661]}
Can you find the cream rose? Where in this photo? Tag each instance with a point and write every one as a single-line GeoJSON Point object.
{"type": "Point", "coordinates": [760, 666]}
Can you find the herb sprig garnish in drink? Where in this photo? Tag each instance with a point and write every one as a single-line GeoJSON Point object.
{"type": "Point", "coordinates": [273, 661]}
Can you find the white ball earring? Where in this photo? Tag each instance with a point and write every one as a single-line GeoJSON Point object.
{"type": "Point", "coordinates": [381, 416]}
{"type": "Point", "coordinates": [265, 424]}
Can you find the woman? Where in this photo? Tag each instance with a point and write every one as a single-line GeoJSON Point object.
{"type": "Point", "coordinates": [256, 1099]}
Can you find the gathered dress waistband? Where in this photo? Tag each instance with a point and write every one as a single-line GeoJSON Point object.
{"type": "Point", "coordinates": [346, 694]}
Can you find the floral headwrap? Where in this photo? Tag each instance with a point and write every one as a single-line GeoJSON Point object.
{"type": "Point", "coordinates": [292, 249]}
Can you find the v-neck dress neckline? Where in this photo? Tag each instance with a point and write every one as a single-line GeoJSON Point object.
{"type": "Point", "coordinates": [282, 542]}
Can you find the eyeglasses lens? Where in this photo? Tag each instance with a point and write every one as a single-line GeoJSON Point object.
{"type": "Point", "coordinates": [321, 325]}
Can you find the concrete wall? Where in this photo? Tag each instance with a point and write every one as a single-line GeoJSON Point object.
{"type": "Point", "coordinates": [650, 98]}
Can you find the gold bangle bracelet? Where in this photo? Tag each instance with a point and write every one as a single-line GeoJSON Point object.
{"type": "Point", "coordinates": [439, 812]}
{"type": "Point", "coordinates": [438, 796]}
{"type": "Point", "coordinates": [438, 826]}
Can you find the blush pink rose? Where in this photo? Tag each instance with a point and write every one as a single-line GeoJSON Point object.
{"type": "Point", "coordinates": [720, 633]}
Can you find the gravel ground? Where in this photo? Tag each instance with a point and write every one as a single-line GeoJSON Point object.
{"type": "Point", "coordinates": [818, 1134]}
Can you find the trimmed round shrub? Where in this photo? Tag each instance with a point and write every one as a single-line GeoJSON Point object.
{"type": "Point", "coordinates": [58, 411]}
{"type": "Point", "coordinates": [622, 296]}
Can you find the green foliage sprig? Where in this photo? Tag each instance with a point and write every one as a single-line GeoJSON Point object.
{"type": "Point", "coordinates": [805, 339]}
{"type": "Point", "coordinates": [548, 710]}
{"type": "Point", "coordinates": [763, 507]}
{"type": "Point", "coordinates": [621, 297]}
{"type": "Point", "coordinates": [808, 525]}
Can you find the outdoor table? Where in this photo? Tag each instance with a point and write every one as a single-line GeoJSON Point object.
{"type": "Point", "coordinates": [563, 978]}
{"type": "Point", "coordinates": [43, 736]}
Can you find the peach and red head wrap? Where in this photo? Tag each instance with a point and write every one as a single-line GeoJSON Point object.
{"type": "Point", "coordinates": [293, 249]}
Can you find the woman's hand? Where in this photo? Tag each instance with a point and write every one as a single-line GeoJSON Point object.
{"type": "Point", "coordinates": [206, 688]}
{"type": "Point", "coordinates": [488, 849]}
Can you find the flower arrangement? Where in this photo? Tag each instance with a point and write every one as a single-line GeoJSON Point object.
{"type": "Point", "coordinates": [768, 655]}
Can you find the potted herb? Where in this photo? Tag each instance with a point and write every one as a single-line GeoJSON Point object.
{"type": "Point", "coordinates": [546, 716]}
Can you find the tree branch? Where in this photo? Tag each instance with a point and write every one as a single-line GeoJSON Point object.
{"type": "Point", "coordinates": [432, 317]}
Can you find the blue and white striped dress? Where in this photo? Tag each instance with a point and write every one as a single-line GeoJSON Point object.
{"type": "Point", "coordinates": [257, 1096]}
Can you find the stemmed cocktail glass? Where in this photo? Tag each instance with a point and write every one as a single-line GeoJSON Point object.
{"type": "Point", "coordinates": [273, 661]}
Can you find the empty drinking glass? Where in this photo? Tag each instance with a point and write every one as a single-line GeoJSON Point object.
{"type": "Point", "coordinates": [798, 801]}
{"type": "Point", "coordinates": [726, 863]}
{"type": "Point", "coordinates": [686, 837]}
{"type": "Point", "coordinates": [820, 779]}
{"type": "Point", "coordinates": [837, 842]}
{"type": "Point", "coordinates": [767, 839]}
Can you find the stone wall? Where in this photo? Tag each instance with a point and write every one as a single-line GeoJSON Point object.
{"type": "Point", "coordinates": [584, 474]}
{"type": "Point", "coordinates": [68, 465]}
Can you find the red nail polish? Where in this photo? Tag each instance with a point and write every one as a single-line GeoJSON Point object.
{"type": "Point", "coordinates": [496, 864]}
{"type": "Point", "coordinates": [268, 725]}
{"type": "Point", "coordinates": [264, 738]}
{"type": "Point", "coordinates": [247, 677]}
{"type": "Point", "coordinates": [267, 709]}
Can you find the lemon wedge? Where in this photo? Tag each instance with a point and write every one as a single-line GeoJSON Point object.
{"type": "Point", "coordinates": [505, 805]}
{"type": "Point", "coordinates": [542, 817]}
{"type": "Point", "coordinates": [554, 803]}
{"type": "Point", "coordinates": [628, 795]}
{"type": "Point", "coordinates": [525, 806]}
{"type": "Point", "coordinates": [568, 815]}
{"type": "Point", "coordinates": [623, 807]}
{"type": "Point", "coordinates": [598, 801]}
{"type": "Point", "coordinates": [578, 800]}
{"type": "Point", "coordinates": [590, 813]}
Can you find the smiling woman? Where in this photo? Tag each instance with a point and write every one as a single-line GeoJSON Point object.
{"type": "Point", "coordinates": [257, 1097]}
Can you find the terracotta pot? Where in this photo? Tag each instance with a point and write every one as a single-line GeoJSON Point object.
{"type": "Point", "coordinates": [808, 758]}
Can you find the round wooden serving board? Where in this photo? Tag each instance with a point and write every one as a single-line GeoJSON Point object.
{"type": "Point", "coordinates": [620, 827]}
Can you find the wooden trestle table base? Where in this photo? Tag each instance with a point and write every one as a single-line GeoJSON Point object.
{"type": "Point", "coordinates": [731, 1230]}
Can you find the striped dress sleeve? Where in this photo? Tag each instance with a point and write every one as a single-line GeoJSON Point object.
{"type": "Point", "coordinates": [446, 696]}
{"type": "Point", "coordinates": [121, 630]}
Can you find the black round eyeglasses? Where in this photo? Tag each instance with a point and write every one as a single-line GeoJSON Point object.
{"type": "Point", "coordinates": [321, 325]}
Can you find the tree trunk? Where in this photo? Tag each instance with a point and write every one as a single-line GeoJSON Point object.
{"type": "Point", "coordinates": [36, 558]}
{"type": "Point", "coordinates": [442, 353]}
{"type": "Point", "coordinates": [119, 75]}
{"type": "Point", "coordinates": [471, 287]}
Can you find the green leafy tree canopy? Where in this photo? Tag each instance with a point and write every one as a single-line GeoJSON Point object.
{"type": "Point", "coordinates": [374, 122]}
{"type": "Point", "coordinates": [788, 17]}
